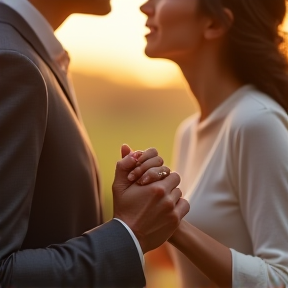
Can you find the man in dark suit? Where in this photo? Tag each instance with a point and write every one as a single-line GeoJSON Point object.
{"type": "Point", "coordinates": [50, 211]}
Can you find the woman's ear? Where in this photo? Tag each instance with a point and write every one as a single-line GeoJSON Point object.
{"type": "Point", "coordinates": [216, 28]}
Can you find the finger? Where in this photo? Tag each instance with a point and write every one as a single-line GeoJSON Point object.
{"type": "Point", "coordinates": [171, 181]}
{"type": "Point", "coordinates": [140, 170]}
{"type": "Point", "coordinates": [137, 155]}
{"type": "Point", "coordinates": [125, 150]}
{"type": "Point", "coordinates": [123, 168]}
{"type": "Point", "coordinates": [153, 175]}
{"type": "Point", "coordinates": [176, 194]}
{"type": "Point", "coordinates": [148, 154]}
{"type": "Point", "coordinates": [182, 208]}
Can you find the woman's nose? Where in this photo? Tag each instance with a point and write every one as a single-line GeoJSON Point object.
{"type": "Point", "coordinates": [147, 8]}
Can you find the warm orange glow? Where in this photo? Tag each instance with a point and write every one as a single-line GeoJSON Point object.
{"type": "Point", "coordinates": [113, 45]}
{"type": "Point", "coordinates": [285, 24]}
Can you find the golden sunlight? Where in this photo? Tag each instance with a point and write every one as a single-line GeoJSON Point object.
{"type": "Point", "coordinates": [113, 46]}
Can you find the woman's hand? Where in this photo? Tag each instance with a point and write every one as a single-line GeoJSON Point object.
{"type": "Point", "coordinates": [149, 166]}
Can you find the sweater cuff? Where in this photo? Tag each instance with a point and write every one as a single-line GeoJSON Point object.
{"type": "Point", "coordinates": [248, 271]}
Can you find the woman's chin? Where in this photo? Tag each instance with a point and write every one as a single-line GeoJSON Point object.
{"type": "Point", "coordinates": [151, 53]}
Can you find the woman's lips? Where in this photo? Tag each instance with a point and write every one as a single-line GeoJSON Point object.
{"type": "Point", "coordinates": [152, 30]}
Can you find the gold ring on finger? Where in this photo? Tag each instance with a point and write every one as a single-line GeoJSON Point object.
{"type": "Point", "coordinates": [162, 174]}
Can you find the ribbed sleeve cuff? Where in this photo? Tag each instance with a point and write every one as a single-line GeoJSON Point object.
{"type": "Point", "coordinates": [248, 271]}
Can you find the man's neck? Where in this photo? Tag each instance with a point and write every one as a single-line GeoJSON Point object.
{"type": "Point", "coordinates": [53, 13]}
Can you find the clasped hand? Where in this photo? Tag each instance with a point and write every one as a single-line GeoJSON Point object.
{"type": "Point", "coordinates": [147, 199]}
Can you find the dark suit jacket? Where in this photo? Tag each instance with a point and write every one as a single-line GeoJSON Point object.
{"type": "Point", "coordinates": [49, 194]}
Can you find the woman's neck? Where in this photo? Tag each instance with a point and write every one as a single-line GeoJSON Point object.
{"type": "Point", "coordinates": [210, 81]}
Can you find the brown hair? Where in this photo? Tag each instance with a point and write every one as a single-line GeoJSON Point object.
{"type": "Point", "coordinates": [255, 43]}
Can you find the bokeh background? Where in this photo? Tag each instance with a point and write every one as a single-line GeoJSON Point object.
{"type": "Point", "coordinates": [125, 97]}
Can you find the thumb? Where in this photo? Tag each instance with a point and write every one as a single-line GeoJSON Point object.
{"type": "Point", "coordinates": [125, 150]}
{"type": "Point", "coordinates": [123, 168]}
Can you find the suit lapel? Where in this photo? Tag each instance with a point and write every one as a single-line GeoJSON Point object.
{"type": "Point", "coordinates": [9, 16]}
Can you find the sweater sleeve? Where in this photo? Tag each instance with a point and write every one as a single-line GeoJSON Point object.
{"type": "Point", "coordinates": [261, 166]}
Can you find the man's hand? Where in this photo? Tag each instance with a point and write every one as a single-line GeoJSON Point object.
{"type": "Point", "coordinates": [152, 211]}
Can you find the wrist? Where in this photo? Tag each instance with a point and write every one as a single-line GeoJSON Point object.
{"type": "Point", "coordinates": [177, 236]}
{"type": "Point", "coordinates": [141, 241]}
{"type": "Point", "coordinates": [139, 236]}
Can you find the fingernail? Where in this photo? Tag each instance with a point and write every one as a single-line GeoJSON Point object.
{"type": "Point", "coordinates": [132, 156]}
{"type": "Point", "coordinates": [136, 155]}
{"type": "Point", "coordinates": [131, 177]}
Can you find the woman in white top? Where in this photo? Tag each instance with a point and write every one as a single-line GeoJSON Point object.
{"type": "Point", "coordinates": [233, 156]}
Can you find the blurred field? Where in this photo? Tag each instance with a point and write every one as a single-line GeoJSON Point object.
{"type": "Point", "coordinates": [141, 117]}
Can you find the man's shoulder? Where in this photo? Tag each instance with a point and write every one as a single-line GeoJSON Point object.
{"type": "Point", "coordinates": [11, 41]}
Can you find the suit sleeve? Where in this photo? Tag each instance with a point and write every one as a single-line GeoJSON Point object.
{"type": "Point", "coordinates": [103, 257]}
{"type": "Point", "coordinates": [262, 161]}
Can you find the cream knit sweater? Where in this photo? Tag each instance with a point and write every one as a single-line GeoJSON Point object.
{"type": "Point", "coordinates": [234, 168]}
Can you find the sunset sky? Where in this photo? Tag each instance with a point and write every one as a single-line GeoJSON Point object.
{"type": "Point", "coordinates": [113, 46]}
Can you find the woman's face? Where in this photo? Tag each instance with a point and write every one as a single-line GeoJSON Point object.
{"type": "Point", "coordinates": [176, 28]}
